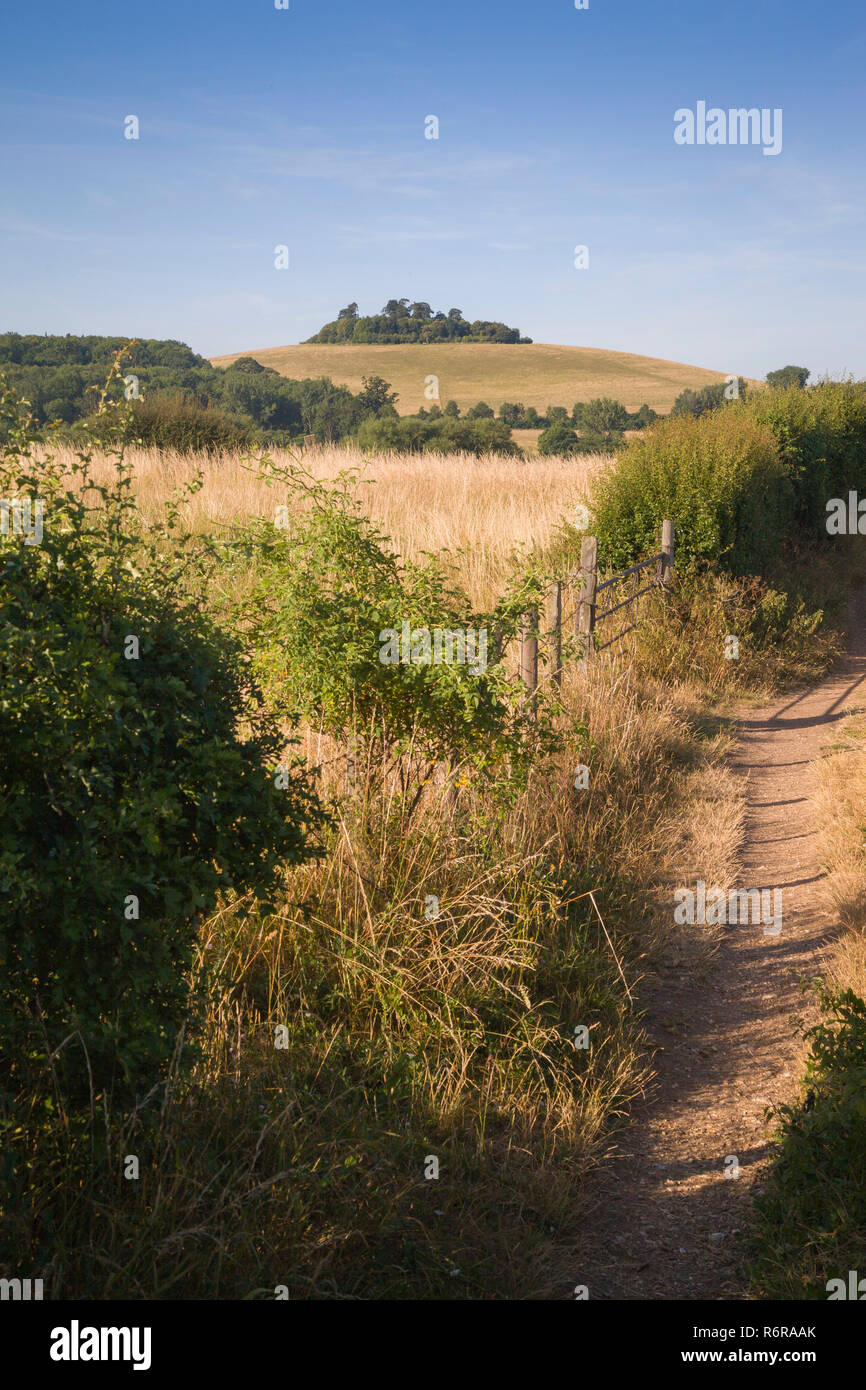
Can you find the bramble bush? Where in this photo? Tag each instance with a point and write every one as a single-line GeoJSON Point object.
{"type": "Point", "coordinates": [134, 783]}
{"type": "Point", "coordinates": [329, 585]}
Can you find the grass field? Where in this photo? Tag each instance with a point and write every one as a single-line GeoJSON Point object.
{"type": "Point", "coordinates": [482, 510]}
{"type": "Point", "coordinates": [537, 374]}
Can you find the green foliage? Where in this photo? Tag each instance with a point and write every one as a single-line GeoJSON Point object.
{"type": "Point", "coordinates": [712, 397]}
{"type": "Point", "coordinates": [123, 777]}
{"type": "Point", "coordinates": [558, 439]}
{"type": "Point", "coordinates": [737, 482]}
{"type": "Point", "coordinates": [811, 1211]}
{"type": "Point", "coordinates": [181, 422]}
{"type": "Point", "coordinates": [376, 397]}
{"type": "Point", "coordinates": [599, 419]}
{"type": "Point", "coordinates": [402, 322]}
{"type": "Point", "coordinates": [604, 416]}
{"type": "Point", "coordinates": [718, 478]}
{"type": "Point", "coordinates": [330, 594]}
{"type": "Point", "coordinates": [61, 379]}
{"type": "Point", "coordinates": [249, 364]}
{"type": "Point", "coordinates": [642, 417]}
{"type": "Point", "coordinates": [54, 350]}
{"type": "Point", "coordinates": [442, 434]}
{"type": "Point", "coordinates": [788, 376]}
{"type": "Point", "coordinates": [784, 633]}
{"type": "Point", "coordinates": [821, 435]}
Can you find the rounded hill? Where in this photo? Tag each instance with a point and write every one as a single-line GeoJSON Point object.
{"type": "Point", "coordinates": [535, 374]}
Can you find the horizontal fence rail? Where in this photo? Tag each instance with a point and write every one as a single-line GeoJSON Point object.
{"type": "Point", "coordinates": [587, 614]}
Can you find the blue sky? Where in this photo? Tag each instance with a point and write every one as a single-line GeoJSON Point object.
{"type": "Point", "coordinates": [305, 127]}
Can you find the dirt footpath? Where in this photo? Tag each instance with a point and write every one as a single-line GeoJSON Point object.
{"type": "Point", "coordinates": [663, 1219]}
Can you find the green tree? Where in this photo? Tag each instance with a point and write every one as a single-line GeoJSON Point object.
{"type": "Point", "coordinates": [643, 417]}
{"type": "Point", "coordinates": [788, 376]}
{"type": "Point", "coordinates": [712, 397]}
{"type": "Point", "coordinates": [377, 398]}
{"type": "Point", "coordinates": [558, 439]}
{"type": "Point", "coordinates": [604, 416]}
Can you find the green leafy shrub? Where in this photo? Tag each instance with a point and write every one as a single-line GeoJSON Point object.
{"type": "Point", "coordinates": [134, 782]}
{"type": "Point", "coordinates": [331, 591]}
{"type": "Point", "coordinates": [179, 421]}
{"type": "Point", "coordinates": [811, 1212]}
{"type": "Point", "coordinates": [821, 436]}
{"type": "Point", "coordinates": [720, 480]}
{"type": "Point", "coordinates": [558, 439]}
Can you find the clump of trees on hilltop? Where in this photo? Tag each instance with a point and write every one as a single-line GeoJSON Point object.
{"type": "Point", "coordinates": [403, 322]}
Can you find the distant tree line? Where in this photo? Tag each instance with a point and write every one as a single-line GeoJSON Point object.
{"type": "Point", "coordinates": [712, 397]}
{"type": "Point", "coordinates": [179, 399]}
{"type": "Point", "coordinates": [600, 423]}
{"type": "Point", "coordinates": [403, 322]}
{"type": "Point", "coordinates": [599, 416]}
{"type": "Point", "coordinates": [443, 434]}
{"type": "Point", "coordinates": [697, 403]}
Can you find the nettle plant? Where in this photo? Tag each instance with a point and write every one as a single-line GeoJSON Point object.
{"type": "Point", "coordinates": [341, 623]}
{"type": "Point", "coordinates": [136, 781]}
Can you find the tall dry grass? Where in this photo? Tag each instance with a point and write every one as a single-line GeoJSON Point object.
{"type": "Point", "coordinates": [483, 510]}
{"type": "Point", "coordinates": [841, 807]}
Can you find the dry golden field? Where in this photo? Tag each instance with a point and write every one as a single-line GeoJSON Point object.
{"type": "Point", "coordinates": [537, 374]}
{"type": "Point", "coordinates": [482, 509]}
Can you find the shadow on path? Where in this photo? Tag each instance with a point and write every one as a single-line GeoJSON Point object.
{"type": "Point", "coordinates": [663, 1213]}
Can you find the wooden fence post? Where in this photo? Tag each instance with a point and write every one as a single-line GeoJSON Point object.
{"type": "Point", "coordinates": [586, 602]}
{"type": "Point", "coordinates": [529, 651]}
{"type": "Point", "coordinates": [666, 559]}
{"type": "Point", "coordinates": [554, 624]}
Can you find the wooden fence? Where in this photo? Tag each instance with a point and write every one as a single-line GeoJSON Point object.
{"type": "Point", "coordinates": [656, 570]}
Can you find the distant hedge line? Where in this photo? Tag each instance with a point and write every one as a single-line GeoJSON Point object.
{"type": "Point", "coordinates": [738, 482]}
{"type": "Point", "coordinates": [60, 378]}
